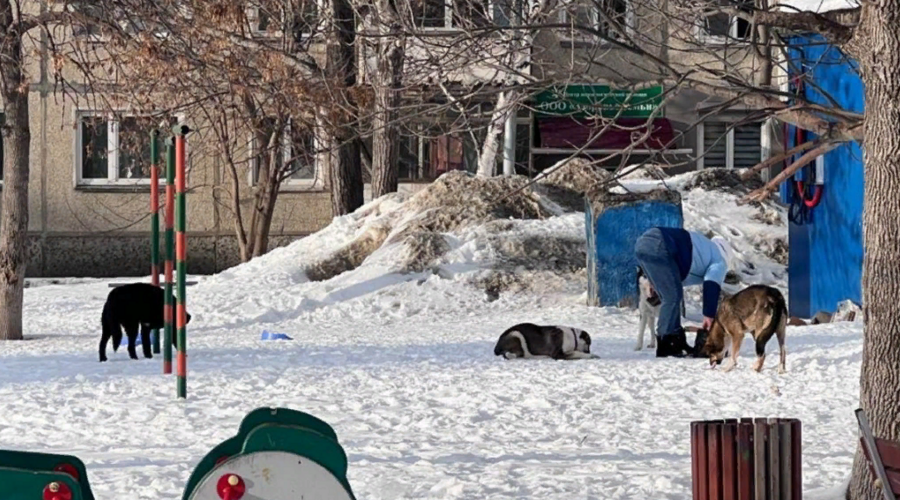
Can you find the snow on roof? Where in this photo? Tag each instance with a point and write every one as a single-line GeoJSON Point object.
{"type": "Point", "coordinates": [819, 6]}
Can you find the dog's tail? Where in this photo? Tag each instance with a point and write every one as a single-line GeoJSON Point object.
{"type": "Point", "coordinates": [111, 328]}
{"type": "Point", "coordinates": [779, 314]}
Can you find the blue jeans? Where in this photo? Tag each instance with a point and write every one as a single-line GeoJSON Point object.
{"type": "Point", "coordinates": [662, 269]}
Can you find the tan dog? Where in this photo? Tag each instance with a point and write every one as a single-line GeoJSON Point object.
{"type": "Point", "coordinates": [759, 309]}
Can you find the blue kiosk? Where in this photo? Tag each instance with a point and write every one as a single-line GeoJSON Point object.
{"type": "Point", "coordinates": [825, 199]}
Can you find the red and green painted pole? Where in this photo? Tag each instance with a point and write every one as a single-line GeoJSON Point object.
{"type": "Point", "coordinates": [154, 220]}
{"type": "Point", "coordinates": [169, 317]}
{"type": "Point", "coordinates": [181, 257]}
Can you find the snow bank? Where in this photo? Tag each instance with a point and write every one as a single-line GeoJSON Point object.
{"type": "Point", "coordinates": [399, 361]}
{"type": "Point", "coordinates": [497, 235]}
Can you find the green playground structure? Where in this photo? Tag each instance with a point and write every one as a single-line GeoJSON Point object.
{"type": "Point", "coordinates": [277, 453]}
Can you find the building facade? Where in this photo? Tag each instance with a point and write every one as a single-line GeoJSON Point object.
{"type": "Point", "coordinates": [89, 197]}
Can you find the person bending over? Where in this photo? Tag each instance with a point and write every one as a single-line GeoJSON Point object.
{"type": "Point", "coordinates": [673, 258]}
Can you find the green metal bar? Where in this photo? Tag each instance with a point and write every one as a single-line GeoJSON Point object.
{"type": "Point", "coordinates": [170, 256]}
{"type": "Point", "coordinates": [154, 221]}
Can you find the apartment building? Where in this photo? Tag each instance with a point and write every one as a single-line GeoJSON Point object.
{"type": "Point", "coordinates": [90, 196]}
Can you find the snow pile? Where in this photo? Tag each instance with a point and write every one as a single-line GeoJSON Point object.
{"type": "Point", "coordinates": [498, 235]}
{"type": "Point", "coordinates": [647, 171]}
{"type": "Point", "coordinates": [415, 236]}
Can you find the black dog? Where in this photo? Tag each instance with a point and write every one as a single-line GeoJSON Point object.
{"type": "Point", "coordinates": [130, 306]}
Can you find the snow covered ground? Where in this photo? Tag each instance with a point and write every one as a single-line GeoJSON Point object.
{"type": "Point", "coordinates": [402, 366]}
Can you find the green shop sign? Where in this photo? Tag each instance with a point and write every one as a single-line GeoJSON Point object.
{"type": "Point", "coordinates": [594, 100]}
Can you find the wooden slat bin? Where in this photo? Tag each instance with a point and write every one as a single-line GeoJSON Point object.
{"type": "Point", "coordinates": [884, 462]}
{"type": "Point", "coordinates": [746, 459]}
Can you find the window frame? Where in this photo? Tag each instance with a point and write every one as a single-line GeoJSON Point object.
{"type": "Point", "coordinates": [252, 13]}
{"type": "Point", "coordinates": [450, 14]}
{"type": "Point", "coordinates": [702, 32]}
{"type": "Point", "coordinates": [596, 21]}
{"type": "Point", "coordinates": [729, 143]}
{"type": "Point", "coordinates": [112, 143]}
{"type": "Point", "coordinates": [100, 38]}
{"type": "Point", "coordinates": [317, 183]}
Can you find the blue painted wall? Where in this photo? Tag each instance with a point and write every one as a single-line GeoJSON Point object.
{"type": "Point", "coordinates": [611, 235]}
{"type": "Point", "coordinates": [826, 249]}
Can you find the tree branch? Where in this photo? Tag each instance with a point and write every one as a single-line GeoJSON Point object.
{"type": "Point", "coordinates": [746, 174]}
{"type": "Point", "coordinates": [804, 21]}
{"type": "Point", "coordinates": [761, 193]}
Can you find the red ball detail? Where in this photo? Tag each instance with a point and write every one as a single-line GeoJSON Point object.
{"type": "Point", "coordinates": [68, 469]}
{"type": "Point", "coordinates": [222, 459]}
{"type": "Point", "coordinates": [63, 492]}
{"type": "Point", "coordinates": [228, 491]}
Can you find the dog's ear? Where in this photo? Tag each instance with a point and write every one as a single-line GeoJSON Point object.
{"type": "Point", "coordinates": [585, 337]}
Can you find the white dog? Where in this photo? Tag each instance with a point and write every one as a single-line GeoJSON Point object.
{"type": "Point", "coordinates": [648, 305]}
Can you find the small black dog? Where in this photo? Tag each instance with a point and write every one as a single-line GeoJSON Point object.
{"type": "Point", "coordinates": [130, 306]}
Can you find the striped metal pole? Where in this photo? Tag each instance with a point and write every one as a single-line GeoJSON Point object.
{"type": "Point", "coordinates": [170, 256]}
{"type": "Point", "coordinates": [154, 220]}
{"type": "Point", "coordinates": [181, 258]}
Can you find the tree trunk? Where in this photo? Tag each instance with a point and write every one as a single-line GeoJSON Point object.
{"type": "Point", "coordinates": [266, 197]}
{"type": "Point", "coordinates": [388, 78]}
{"type": "Point", "coordinates": [346, 178]}
{"type": "Point", "coordinates": [14, 209]}
{"type": "Point", "coordinates": [340, 71]}
{"type": "Point", "coordinates": [487, 160]}
{"type": "Point", "coordinates": [879, 392]}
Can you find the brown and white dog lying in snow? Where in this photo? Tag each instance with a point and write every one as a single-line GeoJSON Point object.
{"type": "Point", "coordinates": [530, 341]}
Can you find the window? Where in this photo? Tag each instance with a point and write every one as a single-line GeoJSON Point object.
{"type": "Point", "coordinates": [93, 21]}
{"type": "Point", "coordinates": [432, 14]}
{"type": "Point", "coordinates": [269, 18]}
{"type": "Point", "coordinates": [295, 156]}
{"type": "Point", "coordinates": [81, 27]}
{"type": "Point", "coordinates": [609, 17]}
{"type": "Point", "coordinates": [739, 147]}
{"type": "Point", "coordinates": [508, 12]}
{"type": "Point", "coordinates": [451, 14]}
{"type": "Point", "coordinates": [116, 150]}
{"type": "Point", "coordinates": [722, 27]}
{"type": "Point", "coordinates": [425, 154]}
{"type": "Point", "coordinates": [523, 149]}
{"type": "Point", "coordinates": [412, 158]}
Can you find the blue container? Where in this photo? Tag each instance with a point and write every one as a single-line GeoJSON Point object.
{"type": "Point", "coordinates": [826, 245]}
{"type": "Point", "coordinates": [137, 341]}
{"type": "Point", "coordinates": [267, 335]}
{"type": "Point", "coordinates": [613, 223]}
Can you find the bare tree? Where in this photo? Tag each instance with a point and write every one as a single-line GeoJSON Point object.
{"type": "Point", "coordinates": [16, 131]}
{"type": "Point", "coordinates": [386, 80]}
{"type": "Point", "coordinates": [341, 114]}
